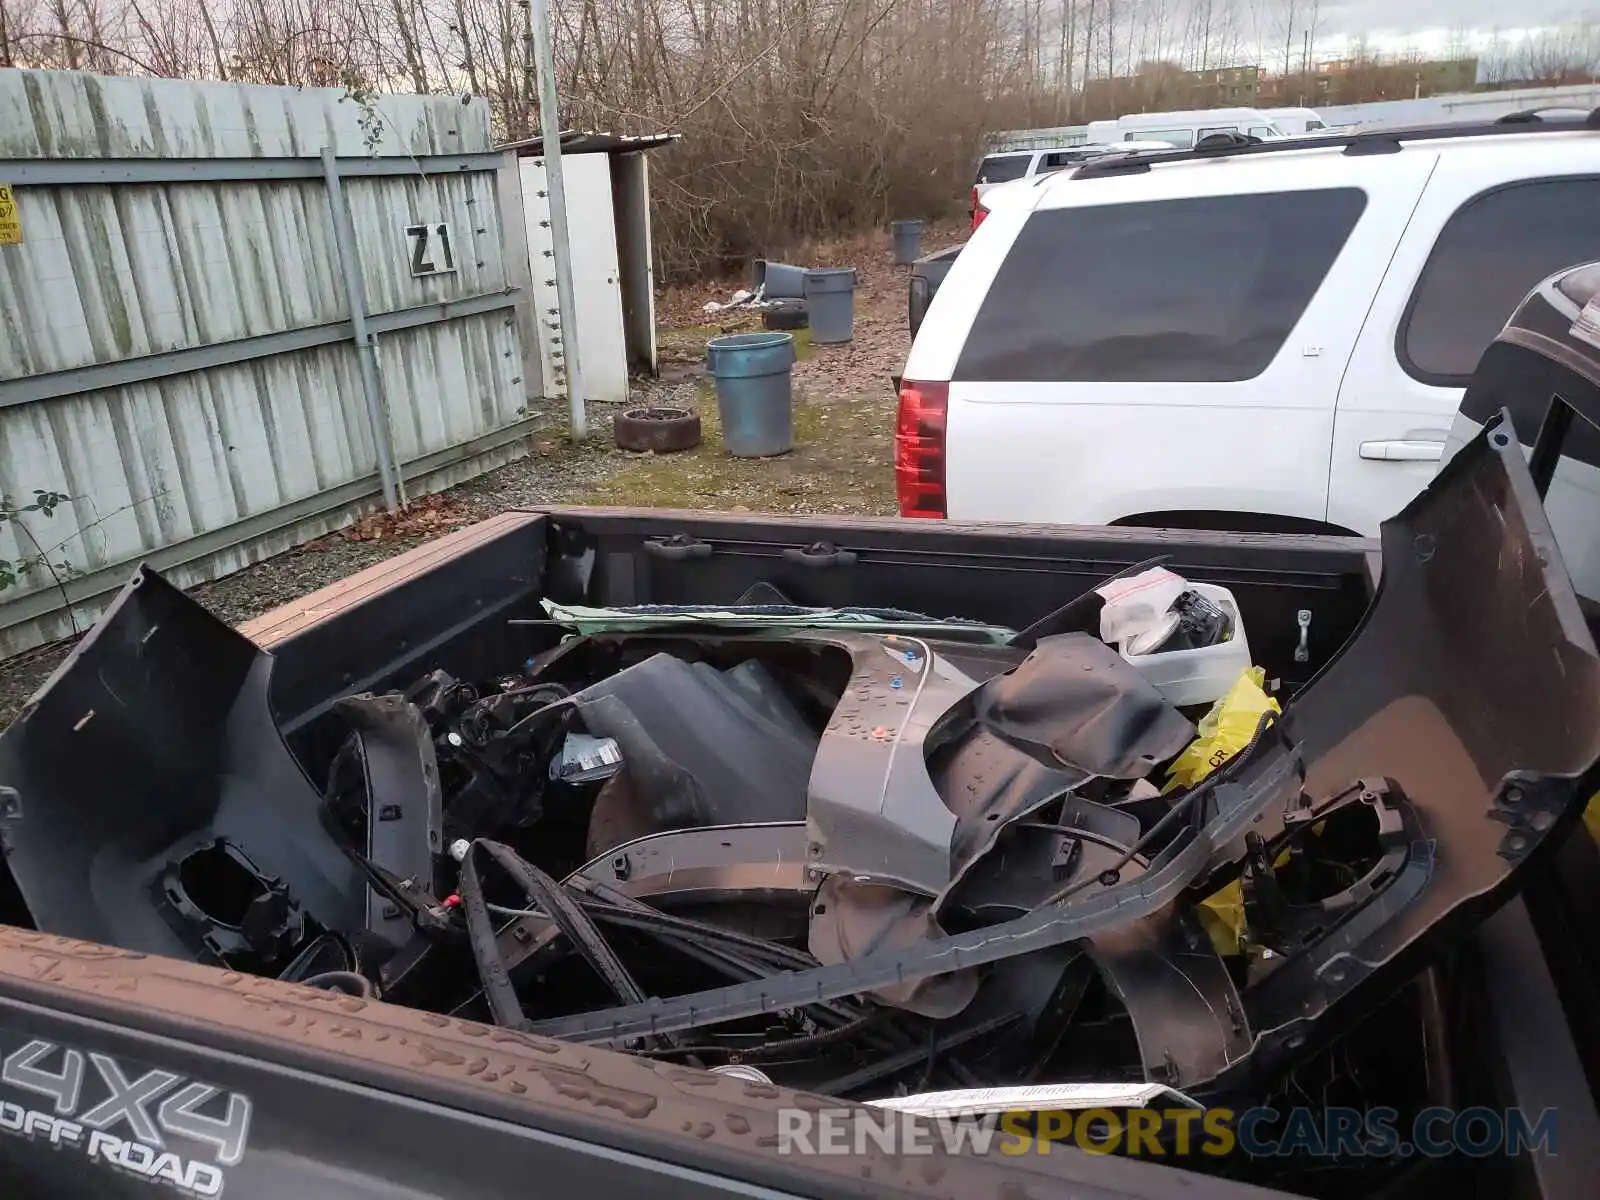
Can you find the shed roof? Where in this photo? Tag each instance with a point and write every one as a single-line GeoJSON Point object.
{"type": "Point", "coordinates": [588, 141]}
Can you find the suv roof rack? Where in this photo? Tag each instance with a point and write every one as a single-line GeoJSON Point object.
{"type": "Point", "coordinates": [1374, 141]}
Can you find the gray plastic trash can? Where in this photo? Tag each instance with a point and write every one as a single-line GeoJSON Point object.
{"type": "Point", "coordinates": [783, 281]}
{"type": "Point", "coordinates": [831, 300]}
{"type": "Point", "coordinates": [754, 394]}
{"type": "Point", "coordinates": [907, 237]}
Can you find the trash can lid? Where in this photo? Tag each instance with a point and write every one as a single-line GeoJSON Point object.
{"type": "Point", "coordinates": [831, 279]}
{"type": "Point", "coordinates": [749, 355]}
{"type": "Point", "coordinates": [748, 341]}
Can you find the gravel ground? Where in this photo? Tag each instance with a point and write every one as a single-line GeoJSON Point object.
{"type": "Point", "coordinates": [843, 460]}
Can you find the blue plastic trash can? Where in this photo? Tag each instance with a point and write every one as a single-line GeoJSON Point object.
{"type": "Point", "coordinates": [831, 300]}
{"type": "Point", "coordinates": [783, 281]}
{"type": "Point", "coordinates": [907, 236]}
{"type": "Point", "coordinates": [755, 396]}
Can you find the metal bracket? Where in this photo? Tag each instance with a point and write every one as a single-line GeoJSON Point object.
{"type": "Point", "coordinates": [715, 862]}
{"type": "Point", "coordinates": [404, 808]}
{"type": "Point", "coordinates": [820, 554]}
{"type": "Point", "coordinates": [678, 547]}
{"type": "Point", "coordinates": [1287, 928]}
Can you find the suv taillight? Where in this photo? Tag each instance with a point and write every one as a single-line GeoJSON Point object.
{"type": "Point", "coordinates": [979, 212]}
{"type": "Point", "coordinates": [919, 448]}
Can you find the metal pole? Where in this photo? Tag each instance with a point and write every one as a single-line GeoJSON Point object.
{"type": "Point", "coordinates": [542, 62]}
{"type": "Point", "coordinates": [344, 240]}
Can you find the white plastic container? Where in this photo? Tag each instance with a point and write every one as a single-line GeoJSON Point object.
{"type": "Point", "coordinates": [1200, 676]}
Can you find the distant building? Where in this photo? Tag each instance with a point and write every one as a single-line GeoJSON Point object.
{"type": "Point", "coordinates": [1225, 87]}
{"type": "Point", "coordinates": [1359, 81]}
{"type": "Point", "coordinates": [1163, 86]}
{"type": "Point", "coordinates": [1159, 86]}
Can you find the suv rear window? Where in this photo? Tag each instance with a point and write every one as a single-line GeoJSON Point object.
{"type": "Point", "coordinates": [1058, 159]}
{"type": "Point", "coordinates": [1489, 255]}
{"type": "Point", "coordinates": [1202, 290]}
{"type": "Point", "coordinates": [1002, 168]}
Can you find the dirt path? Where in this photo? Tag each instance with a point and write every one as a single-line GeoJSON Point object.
{"type": "Point", "coordinates": [842, 461]}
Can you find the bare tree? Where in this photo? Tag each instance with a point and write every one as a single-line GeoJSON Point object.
{"type": "Point", "coordinates": [1492, 64]}
{"type": "Point", "coordinates": [800, 117]}
{"type": "Point", "coordinates": [1286, 16]}
{"type": "Point", "coordinates": [1565, 54]}
{"type": "Point", "coordinates": [1225, 34]}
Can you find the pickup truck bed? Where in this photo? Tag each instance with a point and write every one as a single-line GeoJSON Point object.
{"type": "Point", "coordinates": [348, 1097]}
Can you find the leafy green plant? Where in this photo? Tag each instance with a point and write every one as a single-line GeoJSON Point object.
{"type": "Point", "coordinates": [362, 94]}
{"type": "Point", "coordinates": [14, 570]}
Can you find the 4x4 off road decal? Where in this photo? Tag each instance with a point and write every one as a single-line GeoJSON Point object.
{"type": "Point", "coordinates": [123, 1118]}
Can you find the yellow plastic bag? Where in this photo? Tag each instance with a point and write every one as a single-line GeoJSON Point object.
{"type": "Point", "coordinates": [1223, 732]}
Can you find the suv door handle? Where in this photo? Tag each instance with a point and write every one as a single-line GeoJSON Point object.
{"type": "Point", "coordinates": [1403, 450]}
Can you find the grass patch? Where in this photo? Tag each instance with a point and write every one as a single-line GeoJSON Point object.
{"type": "Point", "coordinates": [842, 463]}
{"type": "Point", "coordinates": [686, 345]}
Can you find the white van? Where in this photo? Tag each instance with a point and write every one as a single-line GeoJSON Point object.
{"type": "Point", "coordinates": [1008, 166]}
{"type": "Point", "coordinates": [1273, 337]}
{"type": "Point", "coordinates": [1184, 129]}
{"type": "Point", "coordinates": [1296, 122]}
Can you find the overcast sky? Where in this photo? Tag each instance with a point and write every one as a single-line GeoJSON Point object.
{"type": "Point", "coordinates": [1427, 23]}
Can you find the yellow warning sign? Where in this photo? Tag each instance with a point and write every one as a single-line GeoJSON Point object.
{"type": "Point", "coordinates": [10, 220]}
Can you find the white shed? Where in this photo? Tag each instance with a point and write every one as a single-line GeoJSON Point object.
{"type": "Point", "coordinates": [607, 179]}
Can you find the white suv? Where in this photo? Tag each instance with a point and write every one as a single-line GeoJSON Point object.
{"type": "Point", "coordinates": [1270, 337]}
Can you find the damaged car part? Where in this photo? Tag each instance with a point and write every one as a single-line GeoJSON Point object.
{"type": "Point", "coordinates": [1289, 918]}
{"type": "Point", "coordinates": [577, 917]}
{"type": "Point", "coordinates": [1072, 702]}
{"type": "Point", "coordinates": [226, 910]}
{"type": "Point", "coordinates": [959, 757]}
{"type": "Point", "coordinates": [763, 608]}
{"type": "Point", "coordinates": [1057, 914]}
{"type": "Point", "coordinates": [489, 747]}
{"type": "Point", "coordinates": [702, 746]}
{"type": "Point", "coordinates": [1040, 930]}
{"type": "Point", "coordinates": [545, 892]}
{"type": "Point", "coordinates": [751, 864]}
{"type": "Point", "coordinates": [403, 811]}
{"type": "Point", "coordinates": [1468, 559]}
{"type": "Point", "coordinates": [171, 705]}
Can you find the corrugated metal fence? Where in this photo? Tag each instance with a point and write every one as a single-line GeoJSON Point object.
{"type": "Point", "coordinates": [181, 346]}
